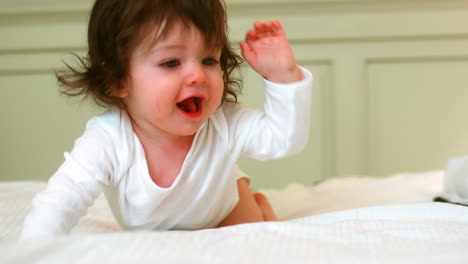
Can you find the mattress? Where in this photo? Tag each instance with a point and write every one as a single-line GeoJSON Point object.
{"type": "Point", "coordinates": [342, 220]}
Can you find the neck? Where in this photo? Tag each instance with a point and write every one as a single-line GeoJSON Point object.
{"type": "Point", "coordinates": [165, 156]}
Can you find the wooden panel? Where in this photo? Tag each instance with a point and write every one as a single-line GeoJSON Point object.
{"type": "Point", "coordinates": [29, 62]}
{"type": "Point", "coordinates": [37, 37]}
{"type": "Point", "coordinates": [38, 126]}
{"type": "Point", "coordinates": [358, 50]}
{"type": "Point", "coordinates": [380, 24]}
{"type": "Point", "coordinates": [418, 111]}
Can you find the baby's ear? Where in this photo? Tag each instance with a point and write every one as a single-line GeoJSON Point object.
{"type": "Point", "coordinates": [119, 91]}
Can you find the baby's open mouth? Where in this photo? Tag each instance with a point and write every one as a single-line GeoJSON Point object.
{"type": "Point", "coordinates": [191, 105]}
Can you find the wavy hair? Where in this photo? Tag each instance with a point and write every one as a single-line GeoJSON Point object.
{"type": "Point", "coordinates": [117, 27]}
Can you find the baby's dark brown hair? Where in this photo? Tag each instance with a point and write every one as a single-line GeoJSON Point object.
{"type": "Point", "coordinates": [117, 27]}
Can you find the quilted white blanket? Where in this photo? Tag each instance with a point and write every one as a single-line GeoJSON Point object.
{"type": "Point", "coordinates": [367, 221]}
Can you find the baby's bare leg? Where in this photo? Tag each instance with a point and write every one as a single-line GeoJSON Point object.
{"type": "Point", "coordinates": [248, 209]}
{"type": "Point", "coordinates": [265, 206]}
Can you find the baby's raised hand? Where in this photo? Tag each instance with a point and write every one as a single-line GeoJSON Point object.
{"type": "Point", "coordinates": [267, 50]}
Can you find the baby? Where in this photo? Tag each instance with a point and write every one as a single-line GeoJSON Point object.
{"type": "Point", "coordinates": [165, 151]}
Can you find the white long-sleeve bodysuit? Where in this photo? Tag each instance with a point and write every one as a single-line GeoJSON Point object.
{"type": "Point", "coordinates": [109, 157]}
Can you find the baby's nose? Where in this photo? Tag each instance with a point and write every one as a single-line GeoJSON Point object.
{"type": "Point", "coordinates": [197, 75]}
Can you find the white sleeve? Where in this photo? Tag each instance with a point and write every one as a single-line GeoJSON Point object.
{"type": "Point", "coordinates": [73, 188]}
{"type": "Point", "coordinates": [283, 128]}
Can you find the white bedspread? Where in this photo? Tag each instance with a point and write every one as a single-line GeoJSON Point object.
{"type": "Point", "coordinates": [351, 220]}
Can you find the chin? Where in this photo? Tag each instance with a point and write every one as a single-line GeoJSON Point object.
{"type": "Point", "coordinates": [187, 132]}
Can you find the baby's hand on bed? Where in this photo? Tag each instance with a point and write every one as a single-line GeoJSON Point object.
{"type": "Point", "coordinates": [267, 50]}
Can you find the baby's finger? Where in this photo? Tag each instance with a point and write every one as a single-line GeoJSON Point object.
{"type": "Point", "coordinates": [259, 27]}
{"type": "Point", "coordinates": [251, 35]}
{"type": "Point", "coordinates": [277, 25]}
{"type": "Point", "coordinates": [246, 51]}
{"type": "Point", "coordinates": [269, 28]}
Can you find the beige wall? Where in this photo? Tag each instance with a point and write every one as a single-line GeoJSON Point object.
{"type": "Point", "coordinates": [391, 81]}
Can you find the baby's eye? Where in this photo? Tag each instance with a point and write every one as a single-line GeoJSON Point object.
{"type": "Point", "coordinates": [171, 63]}
{"type": "Point", "coordinates": [209, 61]}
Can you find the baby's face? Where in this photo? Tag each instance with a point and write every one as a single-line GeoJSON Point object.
{"type": "Point", "coordinates": [175, 85]}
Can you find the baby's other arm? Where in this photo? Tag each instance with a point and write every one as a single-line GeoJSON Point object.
{"type": "Point", "coordinates": [267, 50]}
{"type": "Point", "coordinates": [71, 190]}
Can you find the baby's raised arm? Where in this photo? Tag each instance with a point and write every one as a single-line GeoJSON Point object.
{"type": "Point", "coordinates": [282, 128]}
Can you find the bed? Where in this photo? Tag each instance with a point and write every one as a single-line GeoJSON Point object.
{"type": "Point", "coordinates": [341, 220]}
